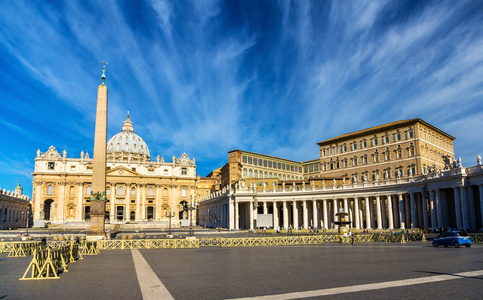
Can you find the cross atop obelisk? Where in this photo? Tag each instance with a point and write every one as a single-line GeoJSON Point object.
{"type": "Point", "coordinates": [104, 63]}
{"type": "Point", "coordinates": [98, 194]}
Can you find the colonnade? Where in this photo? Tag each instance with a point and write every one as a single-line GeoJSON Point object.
{"type": "Point", "coordinates": [436, 206]}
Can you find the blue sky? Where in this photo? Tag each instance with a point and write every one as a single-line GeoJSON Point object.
{"type": "Point", "coordinates": [206, 77]}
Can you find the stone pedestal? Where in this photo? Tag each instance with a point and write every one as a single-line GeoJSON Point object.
{"type": "Point", "coordinates": [97, 215]}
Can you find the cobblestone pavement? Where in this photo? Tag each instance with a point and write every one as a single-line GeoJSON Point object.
{"type": "Point", "coordinates": [374, 269]}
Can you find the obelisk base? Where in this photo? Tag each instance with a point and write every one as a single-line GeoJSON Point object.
{"type": "Point", "coordinates": [97, 215]}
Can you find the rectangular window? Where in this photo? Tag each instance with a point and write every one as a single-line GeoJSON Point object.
{"type": "Point", "coordinates": [244, 159]}
{"type": "Point", "coordinates": [165, 171]}
{"type": "Point", "coordinates": [269, 163]}
{"type": "Point", "coordinates": [255, 161]}
{"type": "Point", "coordinates": [51, 165]}
{"type": "Point", "coordinates": [363, 144]}
{"type": "Point", "coordinates": [184, 171]}
{"type": "Point", "coordinates": [265, 163]}
{"type": "Point", "coordinates": [249, 160]}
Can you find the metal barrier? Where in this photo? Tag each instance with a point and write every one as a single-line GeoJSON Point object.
{"type": "Point", "coordinates": [262, 241]}
{"type": "Point", "coordinates": [20, 249]}
{"type": "Point", "coordinates": [148, 244]}
{"type": "Point", "coordinates": [46, 263]}
{"type": "Point", "coordinates": [476, 238]}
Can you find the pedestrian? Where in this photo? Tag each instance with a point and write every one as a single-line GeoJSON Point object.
{"type": "Point", "coordinates": [43, 242]}
{"type": "Point", "coordinates": [352, 238]}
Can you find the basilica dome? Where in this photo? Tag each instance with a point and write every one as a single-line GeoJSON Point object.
{"type": "Point", "coordinates": [126, 145]}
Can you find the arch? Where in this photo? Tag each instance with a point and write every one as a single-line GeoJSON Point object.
{"type": "Point", "coordinates": [121, 191]}
{"type": "Point", "coordinates": [165, 192]}
{"type": "Point", "coordinates": [133, 192]}
{"type": "Point", "coordinates": [250, 173]}
{"type": "Point", "coordinates": [150, 191]}
{"type": "Point", "coordinates": [47, 211]}
{"type": "Point", "coordinates": [255, 174]}
{"type": "Point", "coordinates": [88, 190]}
{"type": "Point", "coordinates": [265, 174]}
{"type": "Point", "coordinates": [183, 192]}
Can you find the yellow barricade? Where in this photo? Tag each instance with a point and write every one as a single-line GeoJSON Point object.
{"type": "Point", "coordinates": [46, 263]}
{"type": "Point", "coordinates": [20, 249]}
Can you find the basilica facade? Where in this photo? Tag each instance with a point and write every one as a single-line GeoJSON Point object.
{"type": "Point", "coordinates": [137, 188]}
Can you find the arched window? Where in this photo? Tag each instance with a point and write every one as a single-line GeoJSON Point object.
{"type": "Point", "coordinates": [265, 175]}
{"type": "Point", "coordinates": [165, 192]}
{"type": "Point", "coordinates": [270, 175]}
{"type": "Point", "coordinates": [88, 190]}
{"type": "Point", "coordinates": [250, 173]}
{"type": "Point", "coordinates": [72, 190]}
{"type": "Point", "coordinates": [284, 177]}
{"type": "Point", "coordinates": [150, 191]}
{"type": "Point", "coordinates": [133, 192]}
{"type": "Point", "coordinates": [183, 193]}
{"type": "Point", "coordinates": [244, 172]}
{"type": "Point", "coordinates": [108, 192]}
{"type": "Point", "coordinates": [50, 190]}
{"type": "Point", "coordinates": [121, 191]}
{"type": "Point", "coordinates": [255, 174]}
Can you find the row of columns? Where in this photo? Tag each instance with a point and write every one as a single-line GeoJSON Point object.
{"type": "Point", "coordinates": [371, 212]}
{"type": "Point", "coordinates": [140, 205]}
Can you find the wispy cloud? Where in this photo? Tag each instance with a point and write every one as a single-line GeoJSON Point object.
{"type": "Point", "coordinates": [205, 77]}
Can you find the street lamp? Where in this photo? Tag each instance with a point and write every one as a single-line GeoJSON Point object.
{"type": "Point", "coordinates": [28, 217]}
{"type": "Point", "coordinates": [191, 208]}
{"type": "Point", "coordinates": [169, 215]}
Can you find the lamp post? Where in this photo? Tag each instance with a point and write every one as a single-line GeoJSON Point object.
{"type": "Point", "coordinates": [169, 215]}
{"type": "Point", "coordinates": [28, 216]}
{"type": "Point", "coordinates": [191, 208]}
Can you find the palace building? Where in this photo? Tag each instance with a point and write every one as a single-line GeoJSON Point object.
{"type": "Point", "coordinates": [395, 150]}
{"type": "Point", "coordinates": [137, 188]}
{"type": "Point", "coordinates": [14, 208]}
{"type": "Point", "coordinates": [398, 175]}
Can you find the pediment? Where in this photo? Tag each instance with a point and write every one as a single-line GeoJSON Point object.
{"type": "Point", "coordinates": [122, 171]}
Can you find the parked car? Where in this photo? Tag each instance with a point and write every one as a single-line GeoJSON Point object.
{"type": "Point", "coordinates": [452, 238]}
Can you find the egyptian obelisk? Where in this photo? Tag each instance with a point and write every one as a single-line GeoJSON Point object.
{"type": "Point", "coordinates": [98, 193]}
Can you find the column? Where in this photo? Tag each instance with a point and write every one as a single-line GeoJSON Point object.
{"type": "Point", "coordinates": [368, 213]}
{"type": "Point", "coordinates": [413, 211]}
{"type": "Point", "coordinates": [315, 214]}
{"type": "Point", "coordinates": [306, 214]}
{"type": "Point", "coordinates": [265, 209]}
{"type": "Point", "coordinates": [37, 200]}
{"type": "Point", "coordinates": [143, 203]}
{"type": "Point", "coordinates": [324, 211]}
{"type": "Point", "coordinates": [157, 209]}
{"type": "Point", "coordinates": [402, 215]}
{"type": "Point", "coordinates": [295, 215]}
{"type": "Point", "coordinates": [128, 202]}
{"type": "Point", "coordinates": [457, 208]}
{"type": "Point", "coordinates": [390, 212]}
{"type": "Point", "coordinates": [251, 215]}
{"type": "Point", "coordinates": [285, 215]}
{"type": "Point", "coordinates": [113, 200]}
{"type": "Point", "coordinates": [424, 210]}
{"type": "Point", "coordinates": [61, 205]}
{"type": "Point", "coordinates": [480, 187]}
{"type": "Point", "coordinates": [464, 208]}
{"type": "Point", "coordinates": [335, 212]}
{"type": "Point", "coordinates": [378, 212]}
{"type": "Point", "coordinates": [236, 212]}
{"type": "Point", "coordinates": [439, 208]}
{"type": "Point", "coordinates": [383, 212]}
{"type": "Point", "coordinates": [356, 213]}
{"type": "Point", "coordinates": [432, 207]}
{"type": "Point", "coordinates": [78, 212]}
{"type": "Point", "coordinates": [276, 222]}
{"type": "Point", "coordinates": [138, 202]}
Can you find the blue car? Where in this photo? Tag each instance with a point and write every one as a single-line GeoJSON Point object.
{"type": "Point", "coordinates": [452, 238]}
